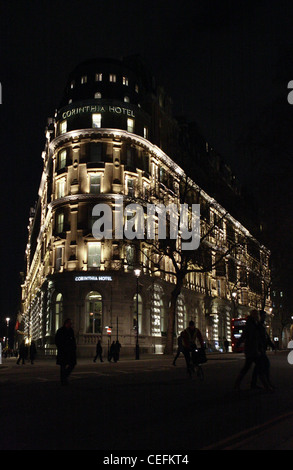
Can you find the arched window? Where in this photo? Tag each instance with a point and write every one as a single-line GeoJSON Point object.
{"type": "Point", "coordinates": [58, 311]}
{"type": "Point", "coordinates": [93, 312]}
{"type": "Point", "coordinates": [139, 304]}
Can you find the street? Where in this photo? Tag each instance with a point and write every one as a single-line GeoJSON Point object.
{"type": "Point", "coordinates": [145, 404]}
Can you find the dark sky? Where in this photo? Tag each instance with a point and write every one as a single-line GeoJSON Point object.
{"type": "Point", "coordinates": [226, 64]}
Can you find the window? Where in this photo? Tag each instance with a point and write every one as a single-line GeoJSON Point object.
{"type": "Point", "coordinates": [83, 79]}
{"type": "Point", "coordinates": [157, 310]}
{"type": "Point", "coordinates": [62, 159]}
{"type": "Point", "coordinates": [63, 127]}
{"type": "Point", "coordinates": [98, 95]}
{"type": "Point", "coordinates": [130, 187]}
{"type": "Point", "coordinates": [72, 84]}
{"type": "Point", "coordinates": [129, 255]}
{"type": "Point", "coordinates": [95, 184]}
{"type": "Point", "coordinates": [94, 312]}
{"type": "Point", "coordinates": [130, 125]}
{"type": "Point", "coordinates": [126, 99]}
{"type": "Point", "coordinates": [99, 77]}
{"type": "Point", "coordinates": [70, 101]}
{"type": "Point", "coordinates": [145, 132]}
{"type": "Point", "coordinates": [136, 88]}
{"type": "Point", "coordinates": [125, 81]}
{"type": "Point", "coordinates": [58, 311]}
{"type": "Point", "coordinates": [95, 151]}
{"type": "Point", "coordinates": [112, 77]}
{"type": "Point", "coordinates": [137, 307]}
{"type": "Point", "coordinates": [96, 120]}
{"type": "Point", "coordinates": [60, 222]}
{"type": "Point", "coordinates": [94, 255]}
{"type": "Point", "coordinates": [61, 188]}
{"type": "Point", "coordinates": [58, 258]}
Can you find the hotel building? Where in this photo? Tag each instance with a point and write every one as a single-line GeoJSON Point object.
{"type": "Point", "coordinates": [114, 138]}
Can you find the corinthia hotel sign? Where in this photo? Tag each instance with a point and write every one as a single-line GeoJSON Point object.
{"type": "Point", "coordinates": [97, 109]}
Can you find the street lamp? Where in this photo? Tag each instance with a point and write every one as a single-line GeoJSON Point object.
{"type": "Point", "coordinates": [7, 323]}
{"type": "Point", "coordinates": [137, 273]}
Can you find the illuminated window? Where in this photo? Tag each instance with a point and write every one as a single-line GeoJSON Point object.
{"type": "Point", "coordinates": [83, 79]}
{"type": "Point", "coordinates": [72, 84]}
{"type": "Point", "coordinates": [99, 77]}
{"type": "Point", "coordinates": [70, 101]}
{"type": "Point", "coordinates": [94, 312]}
{"type": "Point", "coordinates": [130, 187]}
{"type": "Point", "coordinates": [126, 99]}
{"type": "Point", "coordinates": [157, 310]}
{"type": "Point", "coordinates": [95, 184]}
{"type": "Point", "coordinates": [97, 120]}
{"type": "Point", "coordinates": [58, 258]}
{"type": "Point", "coordinates": [94, 255]}
{"type": "Point", "coordinates": [139, 309]}
{"type": "Point", "coordinates": [130, 125]}
{"type": "Point", "coordinates": [129, 255]}
{"type": "Point", "coordinates": [98, 95]}
{"type": "Point", "coordinates": [125, 81]}
{"type": "Point", "coordinates": [63, 127]}
{"type": "Point", "coordinates": [58, 311]}
{"type": "Point", "coordinates": [136, 88]}
{"type": "Point", "coordinates": [62, 159]}
{"type": "Point", "coordinates": [145, 132]}
{"type": "Point", "coordinates": [61, 188]}
{"type": "Point", "coordinates": [112, 77]}
{"type": "Point", "coordinates": [60, 222]}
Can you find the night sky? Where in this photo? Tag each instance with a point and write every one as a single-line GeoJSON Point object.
{"type": "Point", "coordinates": [226, 66]}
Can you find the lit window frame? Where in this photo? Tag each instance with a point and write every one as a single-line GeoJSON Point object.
{"type": "Point", "coordinates": [97, 120]}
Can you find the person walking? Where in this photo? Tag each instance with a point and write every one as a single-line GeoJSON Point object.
{"type": "Point", "coordinates": [66, 350]}
{"type": "Point", "coordinates": [265, 341]}
{"type": "Point", "coordinates": [112, 351]}
{"type": "Point", "coordinates": [226, 345]}
{"type": "Point", "coordinates": [179, 349]}
{"type": "Point", "coordinates": [252, 350]}
{"type": "Point", "coordinates": [99, 351]}
{"type": "Point", "coordinates": [22, 353]}
{"type": "Point", "coordinates": [191, 336]}
{"type": "Point", "coordinates": [33, 351]}
{"type": "Point", "coordinates": [117, 348]}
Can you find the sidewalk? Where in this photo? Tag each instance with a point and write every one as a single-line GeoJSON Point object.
{"type": "Point", "coordinates": [143, 357]}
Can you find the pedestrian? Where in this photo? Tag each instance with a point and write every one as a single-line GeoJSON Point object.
{"type": "Point", "coordinates": [117, 351]}
{"type": "Point", "coordinates": [191, 340]}
{"type": "Point", "coordinates": [99, 351]}
{"type": "Point", "coordinates": [22, 354]}
{"type": "Point", "coordinates": [112, 351]}
{"type": "Point", "coordinates": [226, 345]}
{"type": "Point", "coordinates": [66, 350]}
{"type": "Point", "coordinates": [265, 342]}
{"type": "Point", "coordinates": [179, 349]}
{"type": "Point", "coordinates": [252, 349]}
{"type": "Point", "coordinates": [33, 351]}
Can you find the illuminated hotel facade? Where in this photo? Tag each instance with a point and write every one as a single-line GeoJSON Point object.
{"type": "Point", "coordinates": [114, 136]}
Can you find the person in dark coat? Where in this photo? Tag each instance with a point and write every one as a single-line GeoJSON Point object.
{"type": "Point", "coordinates": [117, 351]}
{"type": "Point", "coordinates": [252, 349]}
{"type": "Point", "coordinates": [112, 351]}
{"type": "Point", "coordinates": [66, 350]}
{"type": "Point", "coordinates": [99, 351]}
{"type": "Point", "coordinates": [22, 353]}
{"type": "Point", "coordinates": [265, 343]}
{"type": "Point", "coordinates": [33, 351]}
